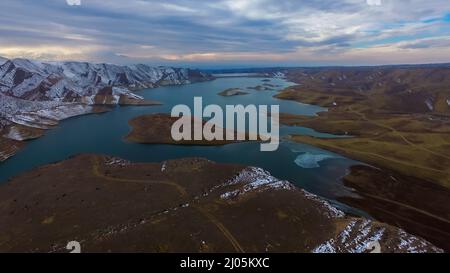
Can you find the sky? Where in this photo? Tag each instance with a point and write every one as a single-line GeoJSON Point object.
{"type": "Point", "coordinates": [228, 33]}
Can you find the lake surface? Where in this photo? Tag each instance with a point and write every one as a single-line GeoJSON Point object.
{"type": "Point", "coordinates": [311, 168]}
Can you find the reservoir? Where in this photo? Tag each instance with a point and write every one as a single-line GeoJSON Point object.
{"type": "Point", "coordinates": [311, 168]}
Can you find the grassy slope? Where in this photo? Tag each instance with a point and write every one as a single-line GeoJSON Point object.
{"type": "Point", "coordinates": [385, 111]}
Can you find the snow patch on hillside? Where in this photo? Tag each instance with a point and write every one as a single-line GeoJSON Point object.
{"type": "Point", "coordinates": [329, 210]}
{"type": "Point", "coordinates": [430, 104]}
{"type": "Point", "coordinates": [360, 235]}
{"type": "Point", "coordinates": [254, 179]}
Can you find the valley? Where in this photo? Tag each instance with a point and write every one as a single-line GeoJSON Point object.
{"type": "Point", "coordinates": [384, 139]}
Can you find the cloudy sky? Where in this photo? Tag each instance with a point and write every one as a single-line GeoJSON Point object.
{"type": "Point", "coordinates": [228, 32]}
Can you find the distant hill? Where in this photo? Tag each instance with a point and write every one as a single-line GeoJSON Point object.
{"type": "Point", "coordinates": [408, 89]}
{"type": "Point", "coordinates": [423, 88]}
{"type": "Point", "coordinates": [283, 68]}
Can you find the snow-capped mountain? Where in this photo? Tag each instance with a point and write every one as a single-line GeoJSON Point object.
{"type": "Point", "coordinates": [71, 81]}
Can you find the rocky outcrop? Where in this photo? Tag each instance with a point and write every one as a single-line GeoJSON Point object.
{"type": "Point", "coordinates": [8, 148]}
{"type": "Point", "coordinates": [20, 133]}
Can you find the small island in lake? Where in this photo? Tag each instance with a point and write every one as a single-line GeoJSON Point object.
{"type": "Point", "coordinates": [156, 129]}
{"type": "Point", "coordinates": [260, 88]}
{"type": "Point", "coordinates": [232, 92]}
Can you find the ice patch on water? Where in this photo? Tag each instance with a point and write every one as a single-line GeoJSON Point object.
{"type": "Point", "coordinates": [308, 160]}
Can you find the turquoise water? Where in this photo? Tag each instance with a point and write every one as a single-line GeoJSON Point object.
{"type": "Point", "coordinates": [103, 133]}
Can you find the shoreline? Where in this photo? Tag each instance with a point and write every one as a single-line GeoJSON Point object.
{"type": "Point", "coordinates": [20, 133]}
{"type": "Point", "coordinates": [33, 124]}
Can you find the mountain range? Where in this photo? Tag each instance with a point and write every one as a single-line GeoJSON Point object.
{"type": "Point", "coordinates": [31, 89]}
